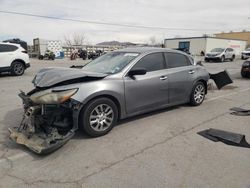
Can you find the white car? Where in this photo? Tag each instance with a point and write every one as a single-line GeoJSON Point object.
{"type": "Point", "coordinates": [220, 54]}
{"type": "Point", "coordinates": [13, 59]}
{"type": "Point", "coordinates": [245, 54]}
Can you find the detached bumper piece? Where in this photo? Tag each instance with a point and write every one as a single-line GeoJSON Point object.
{"type": "Point", "coordinates": [221, 79]}
{"type": "Point", "coordinates": [240, 111]}
{"type": "Point", "coordinates": [226, 137]}
{"type": "Point", "coordinates": [44, 128]}
{"type": "Point", "coordinates": [37, 143]}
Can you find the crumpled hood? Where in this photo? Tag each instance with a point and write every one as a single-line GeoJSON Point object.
{"type": "Point", "coordinates": [52, 76]}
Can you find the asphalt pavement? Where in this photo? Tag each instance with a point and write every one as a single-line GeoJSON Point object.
{"type": "Point", "coordinates": [159, 149]}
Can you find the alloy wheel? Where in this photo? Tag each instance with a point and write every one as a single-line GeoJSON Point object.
{"type": "Point", "coordinates": [199, 93]}
{"type": "Point", "coordinates": [101, 117]}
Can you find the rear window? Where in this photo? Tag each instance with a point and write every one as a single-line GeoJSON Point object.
{"type": "Point", "coordinates": [7, 48]}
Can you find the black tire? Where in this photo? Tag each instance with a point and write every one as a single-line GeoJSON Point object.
{"type": "Point", "coordinates": [222, 59]}
{"type": "Point", "coordinates": [233, 57]}
{"type": "Point", "coordinates": [193, 98]}
{"type": "Point", "coordinates": [243, 74]}
{"type": "Point", "coordinates": [40, 57]}
{"type": "Point", "coordinates": [17, 68]}
{"type": "Point", "coordinates": [90, 109]}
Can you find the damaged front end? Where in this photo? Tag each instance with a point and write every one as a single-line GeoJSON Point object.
{"type": "Point", "coordinates": [49, 121]}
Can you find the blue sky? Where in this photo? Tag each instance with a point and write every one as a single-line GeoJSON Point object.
{"type": "Point", "coordinates": [217, 15]}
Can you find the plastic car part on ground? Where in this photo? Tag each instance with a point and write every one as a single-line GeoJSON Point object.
{"type": "Point", "coordinates": [240, 111]}
{"type": "Point", "coordinates": [226, 137]}
{"type": "Point", "coordinates": [221, 79]}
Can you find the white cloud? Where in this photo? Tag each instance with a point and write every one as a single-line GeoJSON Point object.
{"type": "Point", "coordinates": [218, 15]}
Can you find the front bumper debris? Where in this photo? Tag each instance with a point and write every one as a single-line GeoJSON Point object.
{"type": "Point", "coordinates": [45, 128]}
{"type": "Point", "coordinates": [221, 79]}
{"type": "Point", "coordinates": [39, 144]}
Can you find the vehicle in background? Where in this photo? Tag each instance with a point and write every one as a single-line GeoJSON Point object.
{"type": "Point", "coordinates": [13, 59]}
{"type": "Point", "coordinates": [95, 54]}
{"type": "Point", "coordinates": [245, 69]}
{"type": "Point", "coordinates": [183, 50]}
{"type": "Point", "coordinates": [83, 54]}
{"type": "Point", "coordinates": [18, 41]}
{"type": "Point", "coordinates": [220, 54]}
{"type": "Point", "coordinates": [115, 86]}
{"type": "Point", "coordinates": [245, 54]}
{"type": "Point", "coordinates": [49, 55]}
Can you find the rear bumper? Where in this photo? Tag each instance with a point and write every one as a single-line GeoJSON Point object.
{"type": "Point", "coordinates": [27, 65]}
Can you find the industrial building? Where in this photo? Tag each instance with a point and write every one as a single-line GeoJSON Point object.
{"type": "Point", "coordinates": [197, 45]}
{"type": "Point", "coordinates": [243, 35]}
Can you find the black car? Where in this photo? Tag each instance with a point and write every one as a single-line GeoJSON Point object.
{"type": "Point", "coordinates": [245, 70]}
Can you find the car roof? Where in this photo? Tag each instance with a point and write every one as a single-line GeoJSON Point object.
{"type": "Point", "coordinates": [148, 49]}
{"type": "Point", "coordinates": [8, 43]}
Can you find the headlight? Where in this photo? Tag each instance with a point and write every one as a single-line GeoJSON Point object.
{"type": "Point", "coordinates": [52, 96]}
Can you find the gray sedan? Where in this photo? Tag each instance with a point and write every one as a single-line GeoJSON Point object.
{"type": "Point", "coordinates": [115, 86]}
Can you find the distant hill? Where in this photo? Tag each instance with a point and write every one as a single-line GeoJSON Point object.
{"type": "Point", "coordinates": [116, 43]}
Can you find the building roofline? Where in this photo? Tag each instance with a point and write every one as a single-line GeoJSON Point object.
{"type": "Point", "coordinates": [183, 38]}
{"type": "Point", "coordinates": [232, 32]}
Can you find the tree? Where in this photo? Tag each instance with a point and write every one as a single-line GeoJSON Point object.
{"type": "Point", "coordinates": [76, 39]}
{"type": "Point", "coordinates": [152, 40]}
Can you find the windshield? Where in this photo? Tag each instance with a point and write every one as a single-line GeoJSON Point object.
{"type": "Point", "coordinates": [110, 63]}
{"type": "Point", "coordinates": [248, 49]}
{"type": "Point", "coordinates": [217, 50]}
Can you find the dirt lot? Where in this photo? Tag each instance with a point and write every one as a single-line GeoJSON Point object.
{"type": "Point", "coordinates": [159, 149]}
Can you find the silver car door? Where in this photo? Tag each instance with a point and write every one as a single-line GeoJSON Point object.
{"type": "Point", "coordinates": [181, 76]}
{"type": "Point", "coordinates": [149, 91]}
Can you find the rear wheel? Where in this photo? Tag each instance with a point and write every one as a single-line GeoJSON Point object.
{"type": "Point", "coordinates": [99, 117]}
{"type": "Point", "coordinates": [198, 94]}
{"type": "Point", "coordinates": [232, 58]}
{"type": "Point", "coordinates": [17, 68]}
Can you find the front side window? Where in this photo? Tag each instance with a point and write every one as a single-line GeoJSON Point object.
{"type": "Point", "coordinates": [151, 62]}
{"type": "Point", "coordinates": [110, 63]}
{"type": "Point", "coordinates": [177, 60]}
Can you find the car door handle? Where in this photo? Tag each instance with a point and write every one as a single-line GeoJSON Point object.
{"type": "Point", "coordinates": [163, 77]}
{"type": "Point", "coordinates": [191, 72]}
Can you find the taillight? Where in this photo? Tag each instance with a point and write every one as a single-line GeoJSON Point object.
{"type": "Point", "coordinates": [24, 51]}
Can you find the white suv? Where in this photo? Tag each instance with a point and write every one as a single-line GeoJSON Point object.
{"type": "Point", "coordinates": [13, 58]}
{"type": "Point", "coordinates": [220, 54]}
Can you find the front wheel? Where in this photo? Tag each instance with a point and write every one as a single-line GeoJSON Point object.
{"type": "Point", "coordinates": [232, 58]}
{"type": "Point", "coordinates": [198, 94]}
{"type": "Point", "coordinates": [99, 117]}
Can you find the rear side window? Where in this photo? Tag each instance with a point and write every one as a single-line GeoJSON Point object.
{"type": "Point", "coordinates": [7, 48]}
{"type": "Point", "coordinates": [176, 60]}
{"type": "Point", "coordinates": [151, 62]}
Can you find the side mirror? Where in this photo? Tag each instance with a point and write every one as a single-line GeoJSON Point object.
{"type": "Point", "coordinates": [138, 71]}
